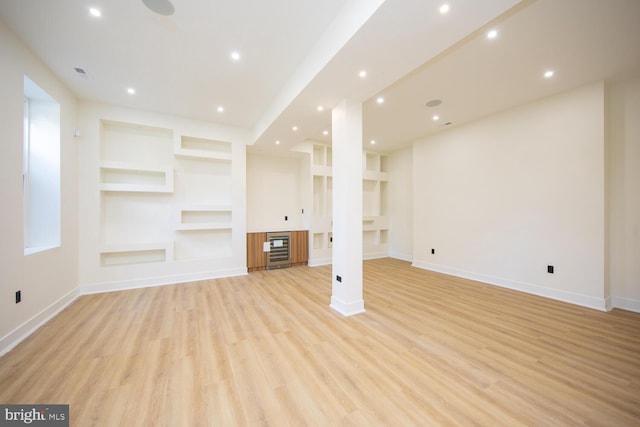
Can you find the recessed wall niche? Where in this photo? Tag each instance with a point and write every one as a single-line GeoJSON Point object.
{"type": "Point", "coordinates": [165, 196]}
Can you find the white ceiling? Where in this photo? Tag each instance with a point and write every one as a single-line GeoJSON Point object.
{"type": "Point", "coordinates": [298, 54]}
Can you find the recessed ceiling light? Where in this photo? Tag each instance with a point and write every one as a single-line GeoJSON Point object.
{"type": "Point", "coordinates": [492, 34]}
{"type": "Point", "coordinates": [278, 142]}
{"type": "Point", "coordinates": [380, 100]}
{"type": "Point", "coordinates": [325, 132]}
{"type": "Point", "coordinates": [436, 118]}
{"type": "Point", "coordinates": [444, 8]}
{"type": "Point", "coordinates": [373, 142]}
{"type": "Point", "coordinates": [548, 74]}
{"type": "Point", "coordinates": [320, 108]}
{"type": "Point", "coordinates": [220, 109]}
{"type": "Point", "coordinates": [235, 55]}
{"type": "Point", "coordinates": [433, 103]}
{"type": "Point", "coordinates": [95, 12]}
{"type": "Point", "coordinates": [362, 74]}
{"type": "Point", "coordinates": [161, 7]}
{"type": "Point", "coordinates": [295, 128]}
{"type": "Point", "coordinates": [131, 91]}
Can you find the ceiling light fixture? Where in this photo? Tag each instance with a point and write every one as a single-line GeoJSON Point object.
{"type": "Point", "coordinates": [235, 55]}
{"type": "Point", "coordinates": [362, 74]}
{"type": "Point", "coordinates": [161, 7]}
{"type": "Point", "coordinates": [444, 9]}
{"type": "Point", "coordinates": [278, 142]}
{"type": "Point", "coordinates": [295, 128]}
{"type": "Point", "coordinates": [436, 118]}
{"type": "Point", "coordinates": [373, 142]}
{"type": "Point", "coordinates": [320, 108]}
{"type": "Point", "coordinates": [95, 12]}
{"type": "Point", "coordinates": [325, 132]}
{"type": "Point", "coordinates": [131, 91]}
{"type": "Point", "coordinates": [220, 109]}
{"type": "Point", "coordinates": [380, 100]}
{"type": "Point", "coordinates": [492, 34]}
{"type": "Point", "coordinates": [548, 74]}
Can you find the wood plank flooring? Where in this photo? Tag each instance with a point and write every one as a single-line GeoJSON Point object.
{"type": "Point", "coordinates": [266, 349]}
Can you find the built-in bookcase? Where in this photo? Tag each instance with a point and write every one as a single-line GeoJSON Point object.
{"type": "Point", "coordinates": [166, 196]}
{"type": "Point", "coordinates": [375, 223]}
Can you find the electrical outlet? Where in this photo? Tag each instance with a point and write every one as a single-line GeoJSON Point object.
{"type": "Point", "coordinates": [433, 251]}
{"type": "Point", "coordinates": [286, 218]}
{"type": "Point", "coordinates": [550, 269]}
{"type": "Point", "coordinates": [339, 279]}
{"type": "Point", "coordinates": [18, 296]}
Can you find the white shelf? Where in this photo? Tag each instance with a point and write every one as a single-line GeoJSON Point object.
{"type": "Point", "coordinates": [375, 176]}
{"type": "Point", "coordinates": [321, 170]}
{"type": "Point", "coordinates": [371, 223]}
{"type": "Point", "coordinates": [201, 148]}
{"type": "Point", "coordinates": [204, 217]}
{"type": "Point", "coordinates": [122, 176]}
{"type": "Point", "coordinates": [140, 253]}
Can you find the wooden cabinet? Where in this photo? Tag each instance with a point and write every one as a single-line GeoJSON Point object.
{"type": "Point", "coordinates": [257, 258]}
{"type": "Point", "coordinates": [299, 247]}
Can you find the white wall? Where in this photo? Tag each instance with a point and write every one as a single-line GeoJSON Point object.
{"type": "Point", "coordinates": [624, 194]}
{"type": "Point", "coordinates": [400, 204]}
{"type": "Point", "coordinates": [209, 253]}
{"type": "Point", "coordinates": [274, 190]}
{"type": "Point", "coordinates": [48, 280]}
{"type": "Point", "coordinates": [502, 198]}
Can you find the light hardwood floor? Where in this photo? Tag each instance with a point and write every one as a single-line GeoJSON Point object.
{"type": "Point", "coordinates": [266, 349]}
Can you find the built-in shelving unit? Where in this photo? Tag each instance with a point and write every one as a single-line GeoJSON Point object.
{"type": "Point", "coordinates": [321, 224]}
{"type": "Point", "coordinates": [141, 253]}
{"type": "Point", "coordinates": [204, 217]}
{"type": "Point", "coordinates": [189, 146]}
{"type": "Point", "coordinates": [166, 185]}
{"type": "Point", "coordinates": [375, 225]}
{"type": "Point", "coordinates": [121, 176]}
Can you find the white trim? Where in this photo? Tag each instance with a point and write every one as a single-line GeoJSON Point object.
{"type": "Point", "coordinates": [319, 261]}
{"type": "Point", "coordinates": [375, 255]}
{"type": "Point", "coordinates": [149, 282]}
{"type": "Point", "coordinates": [347, 308]}
{"type": "Point", "coordinates": [38, 249]}
{"type": "Point", "coordinates": [570, 297]}
{"type": "Point", "coordinates": [403, 257]}
{"type": "Point", "coordinates": [626, 304]}
{"type": "Point", "coordinates": [23, 331]}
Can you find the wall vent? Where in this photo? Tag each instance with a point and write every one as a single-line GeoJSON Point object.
{"type": "Point", "coordinates": [81, 72]}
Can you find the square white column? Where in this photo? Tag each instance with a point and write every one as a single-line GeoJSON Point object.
{"type": "Point", "coordinates": [346, 296]}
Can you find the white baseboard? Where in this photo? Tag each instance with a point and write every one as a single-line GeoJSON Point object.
{"type": "Point", "coordinates": [148, 282]}
{"type": "Point", "coordinates": [375, 255]}
{"type": "Point", "coordinates": [403, 257]}
{"type": "Point", "coordinates": [319, 261]}
{"type": "Point", "coordinates": [16, 336]}
{"type": "Point", "coordinates": [570, 297]}
{"type": "Point", "coordinates": [347, 308]}
{"type": "Point", "coordinates": [626, 304]}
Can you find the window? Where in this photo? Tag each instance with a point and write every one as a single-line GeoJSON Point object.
{"type": "Point", "coordinates": [41, 169]}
